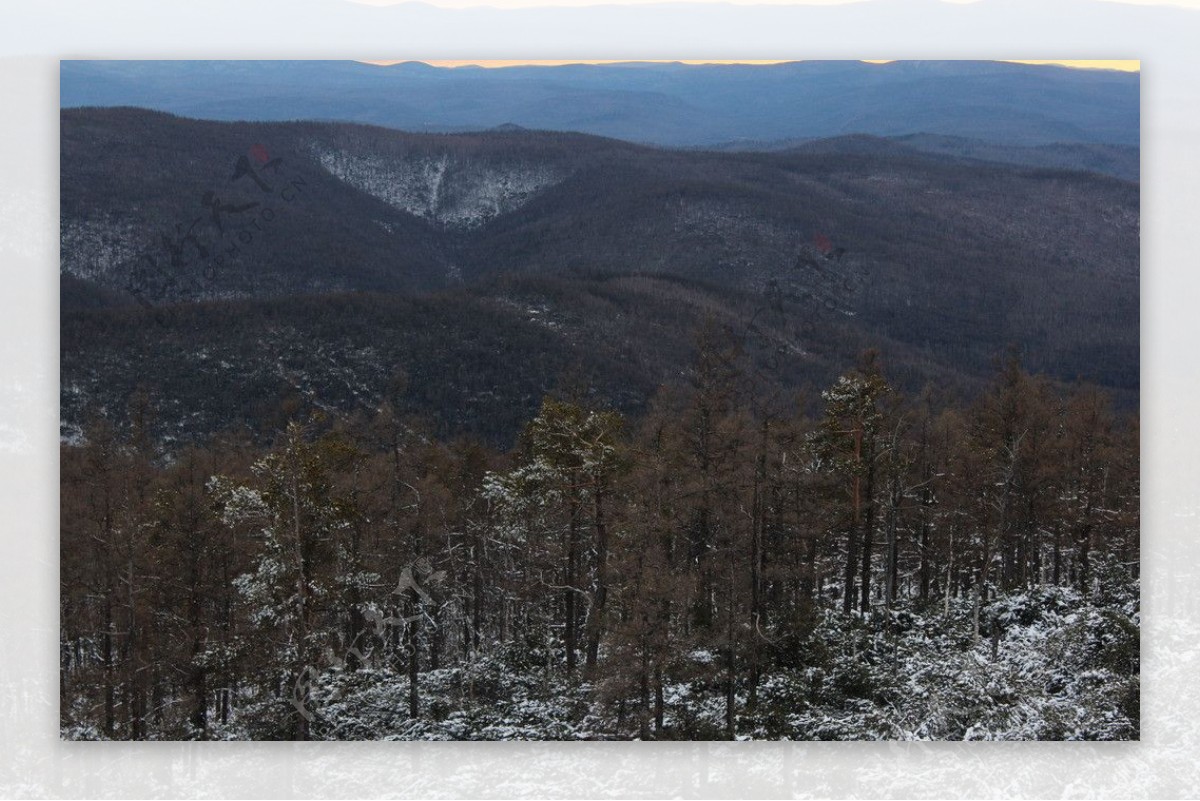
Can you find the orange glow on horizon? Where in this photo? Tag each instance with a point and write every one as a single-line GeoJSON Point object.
{"type": "Point", "coordinates": [1120, 65]}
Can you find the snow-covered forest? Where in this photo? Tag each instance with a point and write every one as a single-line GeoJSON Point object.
{"type": "Point", "coordinates": [727, 566]}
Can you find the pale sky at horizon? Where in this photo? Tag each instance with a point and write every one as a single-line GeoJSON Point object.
{"type": "Point", "coordinates": [1127, 65]}
{"type": "Point", "coordinates": [513, 4]}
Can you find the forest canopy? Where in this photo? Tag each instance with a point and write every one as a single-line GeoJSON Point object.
{"type": "Point", "coordinates": [726, 565]}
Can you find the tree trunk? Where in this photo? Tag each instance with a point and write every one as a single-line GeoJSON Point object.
{"type": "Point", "coordinates": [923, 554]}
{"type": "Point", "coordinates": [868, 537]}
{"type": "Point", "coordinates": [757, 523]}
{"type": "Point", "coordinates": [893, 512]}
{"type": "Point", "coordinates": [644, 691]}
{"type": "Point", "coordinates": [571, 577]}
{"type": "Point", "coordinates": [730, 664]}
{"type": "Point", "coordinates": [658, 701]}
{"type": "Point", "coordinates": [596, 619]}
{"type": "Point", "coordinates": [414, 653]}
{"type": "Point", "coordinates": [852, 536]}
{"type": "Point", "coordinates": [110, 701]}
{"type": "Point", "coordinates": [1056, 574]}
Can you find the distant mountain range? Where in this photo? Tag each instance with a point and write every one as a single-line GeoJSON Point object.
{"type": "Point", "coordinates": [1121, 161]}
{"type": "Point", "coordinates": [665, 104]}
{"type": "Point", "coordinates": [236, 269]}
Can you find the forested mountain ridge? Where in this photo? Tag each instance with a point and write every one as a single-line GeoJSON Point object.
{"type": "Point", "coordinates": [1120, 161]}
{"type": "Point", "coordinates": [154, 175]}
{"type": "Point", "coordinates": [812, 254]}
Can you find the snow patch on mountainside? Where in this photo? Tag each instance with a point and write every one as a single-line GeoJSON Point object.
{"type": "Point", "coordinates": [95, 248]}
{"type": "Point", "coordinates": [455, 192]}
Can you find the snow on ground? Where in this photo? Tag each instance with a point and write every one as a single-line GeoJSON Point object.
{"type": "Point", "coordinates": [457, 193]}
{"type": "Point", "coordinates": [1062, 667]}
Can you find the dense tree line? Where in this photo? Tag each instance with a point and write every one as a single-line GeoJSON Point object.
{"type": "Point", "coordinates": [658, 577]}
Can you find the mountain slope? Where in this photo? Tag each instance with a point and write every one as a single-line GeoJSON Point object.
{"type": "Point", "coordinates": [581, 250]}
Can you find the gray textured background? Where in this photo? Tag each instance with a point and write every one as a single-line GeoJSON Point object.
{"type": "Point", "coordinates": [34, 35]}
